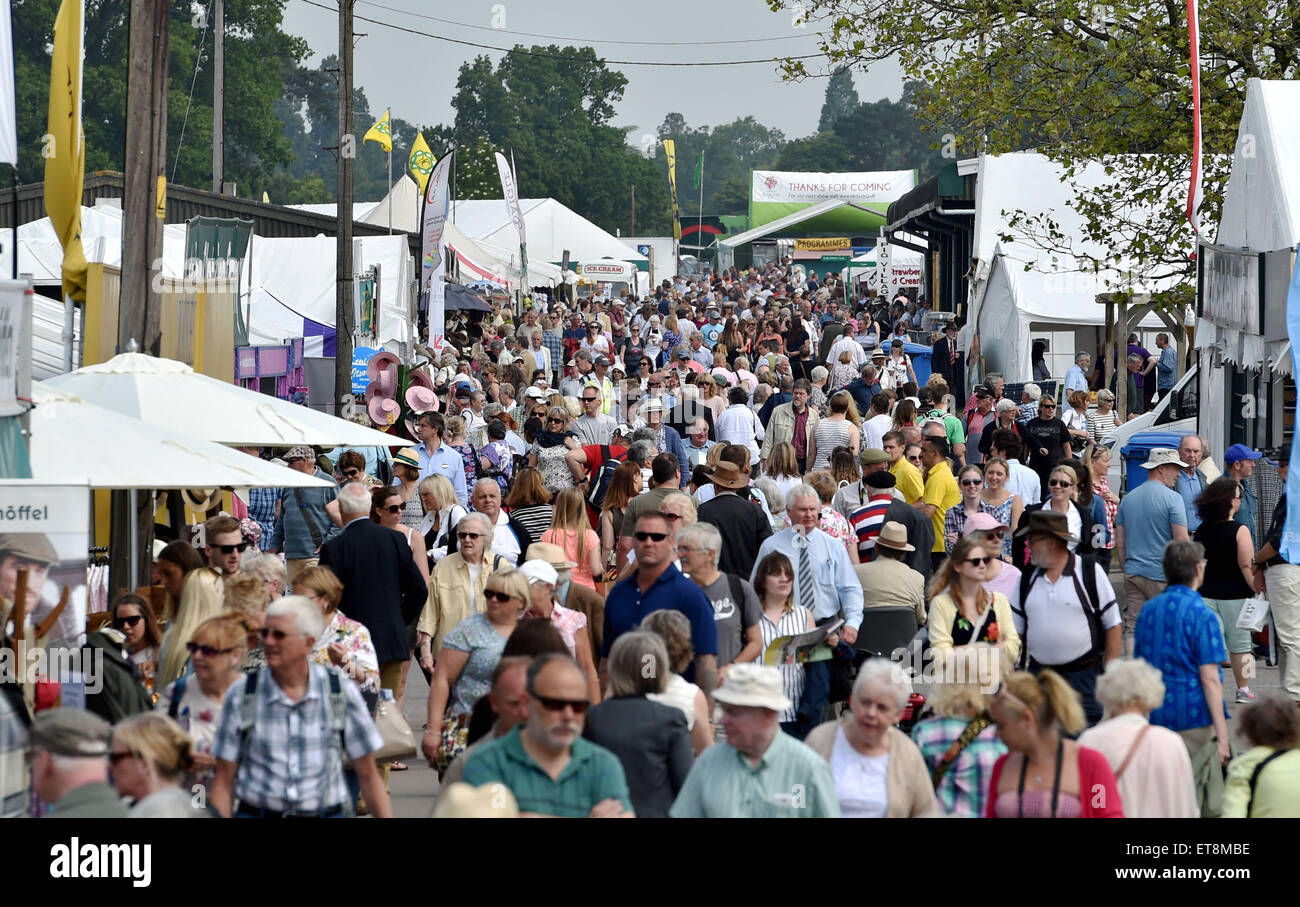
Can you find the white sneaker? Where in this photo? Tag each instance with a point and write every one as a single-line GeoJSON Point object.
{"type": "Point", "coordinates": [1244, 695]}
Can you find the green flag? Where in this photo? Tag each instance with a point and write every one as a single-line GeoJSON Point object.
{"type": "Point", "coordinates": [699, 170]}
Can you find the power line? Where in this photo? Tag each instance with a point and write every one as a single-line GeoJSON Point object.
{"type": "Point", "coordinates": [531, 53]}
{"type": "Point", "coordinates": [528, 34]}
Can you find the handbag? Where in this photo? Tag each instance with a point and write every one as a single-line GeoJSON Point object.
{"type": "Point", "coordinates": [399, 739]}
{"type": "Point", "coordinates": [1253, 614]}
{"type": "Point", "coordinates": [453, 740]}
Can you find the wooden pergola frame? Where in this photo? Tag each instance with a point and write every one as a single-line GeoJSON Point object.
{"type": "Point", "coordinates": [1124, 313]}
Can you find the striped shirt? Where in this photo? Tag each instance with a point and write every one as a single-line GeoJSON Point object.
{"type": "Point", "coordinates": [790, 782]}
{"type": "Point", "coordinates": [964, 789]}
{"type": "Point", "coordinates": [866, 522]}
{"type": "Point", "coordinates": [536, 519]}
{"type": "Point", "coordinates": [591, 775]}
{"type": "Point", "coordinates": [792, 622]}
{"type": "Point", "coordinates": [287, 763]}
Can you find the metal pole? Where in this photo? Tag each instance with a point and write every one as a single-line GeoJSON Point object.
{"type": "Point", "coordinates": [133, 549]}
{"type": "Point", "coordinates": [218, 95]}
{"type": "Point", "coordinates": [699, 222]}
{"type": "Point", "coordinates": [632, 231]}
{"type": "Point", "coordinates": [389, 116]}
{"type": "Point", "coordinates": [343, 247]}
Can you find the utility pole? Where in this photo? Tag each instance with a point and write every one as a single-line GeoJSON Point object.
{"type": "Point", "coordinates": [632, 231]}
{"type": "Point", "coordinates": [219, 95]}
{"type": "Point", "coordinates": [347, 154]}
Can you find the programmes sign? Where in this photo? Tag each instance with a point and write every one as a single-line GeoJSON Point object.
{"type": "Point", "coordinates": [775, 194]}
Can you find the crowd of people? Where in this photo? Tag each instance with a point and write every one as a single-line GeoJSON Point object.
{"type": "Point", "coordinates": [699, 554]}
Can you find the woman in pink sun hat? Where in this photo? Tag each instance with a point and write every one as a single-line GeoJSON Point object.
{"type": "Point", "coordinates": [1002, 576]}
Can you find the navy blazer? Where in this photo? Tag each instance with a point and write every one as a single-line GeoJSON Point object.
{"type": "Point", "coordinates": [382, 587]}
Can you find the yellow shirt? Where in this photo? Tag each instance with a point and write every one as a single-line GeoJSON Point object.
{"type": "Point", "coordinates": [941, 491]}
{"type": "Point", "coordinates": [909, 483]}
{"type": "Point", "coordinates": [451, 599]}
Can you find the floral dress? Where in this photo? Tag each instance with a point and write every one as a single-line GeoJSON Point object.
{"type": "Point", "coordinates": [356, 643]}
{"type": "Point", "coordinates": [835, 525]}
{"type": "Point", "coordinates": [471, 462]}
{"type": "Point", "coordinates": [555, 470]}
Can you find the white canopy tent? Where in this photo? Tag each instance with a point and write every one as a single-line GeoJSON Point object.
{"type": "Point", "coordinates": [170, 393]}
{"type": "Point", "coordinates": [1017, 284]}
{"type": "Point", "coordinates": [484, 261]}
{"type": "Point", "coordinates": [552, 228]}
{"type": "Point", "coordinates": [289, 279]}
{"type": "Point", "coordinates": [75, 441]}
{"type": "Point", "coordinates": [403, 199]}
{"type": "Point", "coordinates": [41, 254]}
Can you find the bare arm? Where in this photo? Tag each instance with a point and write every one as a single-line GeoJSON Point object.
{"type": "Point", "coordinates": [445, 673]}
{"type": "Point", "coordinates": [223, 787]}
{"type": "Point", "coordinates": [1180, 533]}
{"type": "Point", "coordinates": [1119, 547]}
{"type": "Point", "coordinates": [702, 732]}
{"type": "Point", "coordinates": [372, 787]}
{"type": "Point", "coordinates": [1245, 553]}
{"type": "Point", "coordinates": [1114, 642]}
{"type": "Point", "coordinates": [706, 676]}
{"type": "Point", "coordinates": [753, 648]}
{"type": "Point", "coordinates": [1213, 688]}
{"type": "Point", "coordinates": [332, 509]}
{"type": "Point", "coordinates": [608, 536]}
{"type": "Point", "coordinates": [421, 555]}
{"type": "Point", "coordinates": [576, 460]}
{"type": "Point", "coordinates": [812, 448]}
{"type": "Point", "coordinates": [594, 562]}
{"type": "Point", "coordinates": [582, 651]}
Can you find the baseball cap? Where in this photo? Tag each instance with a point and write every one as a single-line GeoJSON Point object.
{"type": "Point", "coordinates": [683, 354]}
{"type": "Point", "coordinates": [535, 393]}
{"type": "Point", "coordinates": [1238, 452]}
{"type": "Point", "coordinates": [602, 360]}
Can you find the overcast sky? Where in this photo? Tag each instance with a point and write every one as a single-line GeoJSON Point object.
{"type": "Point", "coordinates": [416, 75]}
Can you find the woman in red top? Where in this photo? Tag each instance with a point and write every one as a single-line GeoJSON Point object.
{"type": "Point", "coordinates": [1045, 775]}
{"type": "Point", "coordinates": [771, 336]}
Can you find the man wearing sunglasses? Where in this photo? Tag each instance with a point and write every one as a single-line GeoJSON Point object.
{"type": "Point", "coordinates": [224, 544]}
{"type": "Point", "coordinates": [289, 763]}
{"type": "Point", "coordinates": [593, 426]}
{"type": "Point", "coordinates": [546, 763]}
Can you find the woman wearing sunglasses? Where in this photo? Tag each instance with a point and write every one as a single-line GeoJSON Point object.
{"type": "Point", "coordinates": [132, 616]}
{"type": "Point", "coordinates": [962, 610]}
{"type": "Point", "coordinates": [469, 655]}
{"type": "Point", "coordinates": [553, 444]}
{"type": "Point", "coordinates": [971, 483]}
{"type": "Point", "coordinates": [1062, 486]}
{"type": "Point", "coordinates": [1002, 576]}
{"type": "Point", "coordinates": [150, 758]}
{"type": "Point", "coordinates": [194, 700]}
{"type": "Point", "coordinates": [998, 502]}
{"type": "Point", "coordinates": [386, 509]}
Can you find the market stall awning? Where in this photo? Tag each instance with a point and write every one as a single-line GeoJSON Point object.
{"type": "Point", "coordinates": [73, 441]}
{"type": "Point", "coordinates": [170, 393]}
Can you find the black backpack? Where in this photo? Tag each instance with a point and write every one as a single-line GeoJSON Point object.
{"type": "Point", "coordinates": [1087, 565]}
{"type": "Point", "coordinates": [603, 476]}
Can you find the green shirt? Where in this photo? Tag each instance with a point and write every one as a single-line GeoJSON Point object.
{"type": "Point", "coordinates": [592, 775]}
{"type": "Point", "coordinates": [951, 426]}
{"type": "Point", "coordinates": [90, 801]}
{"type": "Point", "coordinates": [791, 781]}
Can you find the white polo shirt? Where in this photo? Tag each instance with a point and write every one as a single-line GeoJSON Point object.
{"type": "Point", "coordinates": [1058, 625]}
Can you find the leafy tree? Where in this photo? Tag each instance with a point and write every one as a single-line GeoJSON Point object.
{"type": "Point", "coordinates": [887, 135]}
{"type": "Point", "coordinates": [841, 99]}
{"type": "Point", "coordinates": [1079, 82]}
{"type": "Point", "coordinates": [823, 151]}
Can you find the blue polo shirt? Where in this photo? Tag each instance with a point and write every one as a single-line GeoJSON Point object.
{"type": "Point", "coordinates": [626, 607]}
{"type": "Point", "coordinates": [1147, 515]}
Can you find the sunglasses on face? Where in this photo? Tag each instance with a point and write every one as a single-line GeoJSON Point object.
{"type": "Point", "coordinates": [469, 535]}
{"type": "Point", "coordinates": [129, 620]}
{"type": "Point", "coordinates": [496, 595]}
{"type": "Point", "coordinates": [206, 651]}
{"type": "Point", "coordinates": [972, 481]}
{"type": "Point", "coordinates": [1048, 406]}
{"type": "Point", "coordinates": [652, 536]}
{"type": "Point", "coordinates": [393, 508]}
{"type": "Point", "coordinates": [978, 561]}
{"type": "Point", "coordinates": [273, 634]}
{"type": "Point", "coordinates": [579, 706]}
{"type": "Point", "coordinates": [231, 549]}
{"type": "Point", "coordinates": [115, 758]}
{"type": "Point", "coordinates": [351, 473]}
{"type": "Point", "coordinates": [1060, 483]}
{"type": "Point", "coordinates": [554, 421]}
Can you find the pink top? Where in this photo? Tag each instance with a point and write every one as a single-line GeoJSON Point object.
{"type": "Point", "coordinates": [1038, 805]}
{"type": "Point", "coordinates": [568, 540]}
{"type": "Point", "coordinates": [1095, 777]}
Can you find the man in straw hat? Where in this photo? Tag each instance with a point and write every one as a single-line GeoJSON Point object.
{"type": "Point", "coordinates": [1150, 517]}
{"type": "Point", "coordinates": [742, 524]}
{"type": "Point", "coordinates": [759, 772]}
{"type": "Point", "coordinates": [1067, 616]}
{"type": "Point", "coordinates": [887, 581]}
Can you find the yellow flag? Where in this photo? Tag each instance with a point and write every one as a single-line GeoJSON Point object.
{"type": "Point", "coordinates": [65, 148]}
{"type": "Point", "coordinates": [670, 149]}
{"type": "Point", "coordinates": [381, 132]}
{"type": "Point", "coordinates": [421, 161]}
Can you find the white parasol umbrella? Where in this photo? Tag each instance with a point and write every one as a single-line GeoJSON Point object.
{"type": "Point", "coordinates": [75, 441]}
{"type": "Point", "coordinates": [166, 392]}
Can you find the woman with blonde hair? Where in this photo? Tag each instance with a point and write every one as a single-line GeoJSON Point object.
{"type": "Point", "coordinates": [466, 660]}
{"type": "Point", "coordinates": [625, 484]}
{"type": "Point", "coordinates": [675, 630]}
{"type": "Point", "coordinates": [194, 700]}
{"type": "Point", "coordinates": [1045, 774]}
{"type": "Point", "coordinates": [998, 501]}
{"type": "Point", "coordinates": [962, 610]}
{"type": "Point", "coordinates": [202, 598]}
{"type": "Point", "coordinates": [1097, 460]}
{"type": "Point", "coordinates": [720, 364]}
{"type": "Point", "coordinates": [709, 395]}
{"type": "Point", "coordinates": [571, 530]}
{"type": "Point", "coordinates": [344, 643]}
{"type": "Point", "coordinates": [959, 743]}
{"type": "Point", "coordinates": [548, 453]}
{"type": "Point", "coordinates": [1152, 767]}
{"type": "Point", "coordinates": [150, 756]}
{"type": "Point", "coordinates": [442, 511]}
{"type": "Point", "coordinates": [246, 595]}
{"type": "Point", "coordinates": [838, 429]}
{"type": "Point", "coordinates": [454, 437]}
{"type": "Point", "coordinates": [781, 466]}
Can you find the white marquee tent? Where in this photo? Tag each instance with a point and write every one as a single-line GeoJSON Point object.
{"type": "Point", "coordinates": [1017, 284]}
{"type": "Point", "coordinates": [551, 229]}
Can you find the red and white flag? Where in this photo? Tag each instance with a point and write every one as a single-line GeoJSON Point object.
{"type": "Point", "coordinates": [1194, 194]}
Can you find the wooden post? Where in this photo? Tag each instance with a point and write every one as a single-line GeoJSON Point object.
{"type": "Point", "coordinates": [343, 265]}
{"type": "Point", "coordinates": [1121, 360]}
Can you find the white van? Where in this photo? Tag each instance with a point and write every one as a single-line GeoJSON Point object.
{"type": "Point", "coordinates": [1174, 412]}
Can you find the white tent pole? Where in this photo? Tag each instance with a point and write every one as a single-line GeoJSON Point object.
{"type": "Point", "coordinates": [133, 550]}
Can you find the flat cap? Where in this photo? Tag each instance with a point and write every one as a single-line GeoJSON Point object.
{"type": "Point", "coordinates": [71, 732]}
{"type": "Point", "coordinates": [29, 546]}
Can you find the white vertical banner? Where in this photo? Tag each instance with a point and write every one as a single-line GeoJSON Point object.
{"type": "Point", "coordinates": [510, 191]}
{"type": "Point", "coordinates": [437, 200]}
{"type": "Point", "coordinates": [8, 107]}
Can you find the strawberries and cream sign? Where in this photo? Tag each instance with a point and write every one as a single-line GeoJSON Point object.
{"type": "Point", "coordinates": [775, 194]}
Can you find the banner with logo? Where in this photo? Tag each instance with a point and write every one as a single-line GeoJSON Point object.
{"type": "Point", "coordinates": [510, 191]}
{"type": "Point", "coordinates": [437, 201]}
{"type": "Point", "coordinates": [1290, 548]}
{"type": "Point", "coordinates": [822, 244]}
{"type": "Point", "coordinates": [775, 194]}
{"type": "Point", "coordinates": [670, 149]}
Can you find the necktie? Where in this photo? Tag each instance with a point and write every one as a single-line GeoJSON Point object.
{"type": "Point", "coordinates": [807, 597]}
{"type": "Point", "coordinates": [952, 353]}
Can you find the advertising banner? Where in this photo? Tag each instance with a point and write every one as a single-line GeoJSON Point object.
{"type": "Point", "coordinates": [437, 201]}
{"type": "Point", "coordinates": [775, 194]}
